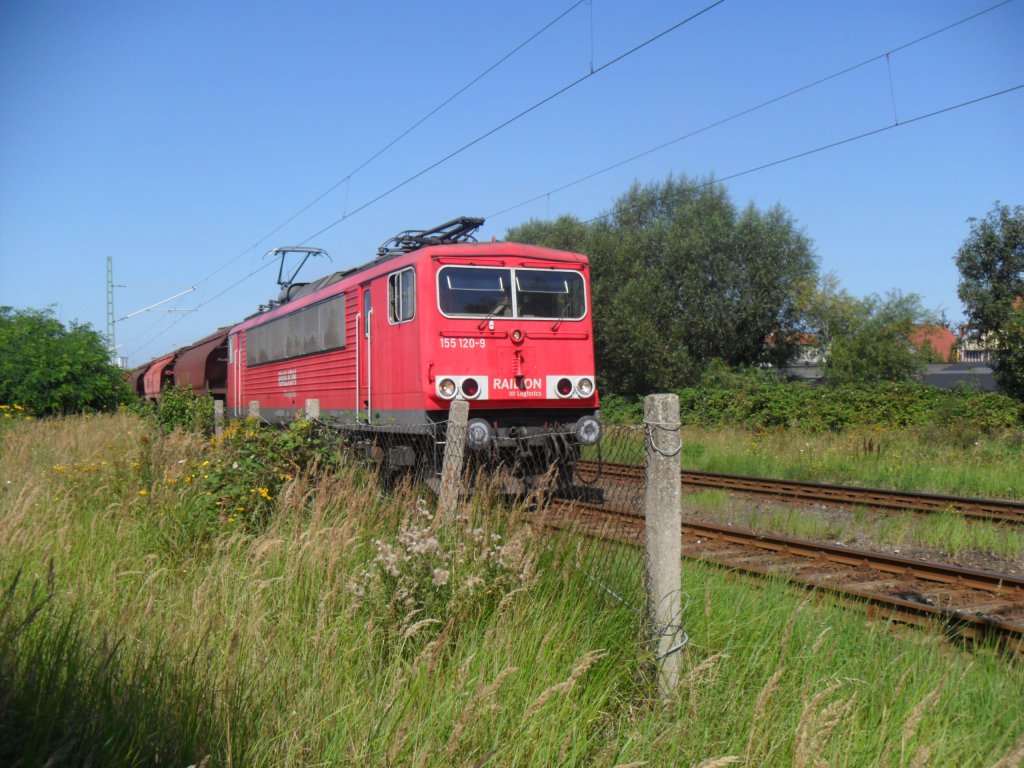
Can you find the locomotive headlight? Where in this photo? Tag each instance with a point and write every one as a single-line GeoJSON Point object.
{"type": "Point", "coordinates": [588, 430]}
{"type": "Point", "coordinates": [446, 388]}
{"type": "Point", "coordinates": [470, 388]}
{"type": "Point", "coordinates": [585, 387]}
{"type": "Point", "coordinates": [478, 434]}
{"type": "Point", "coordinates": [563, 387]}
{"type": "Point", "coordinates": [517, 336]}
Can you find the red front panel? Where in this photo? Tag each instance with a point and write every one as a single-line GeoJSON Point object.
{"type": "Point", "coordinates": [516, 362]}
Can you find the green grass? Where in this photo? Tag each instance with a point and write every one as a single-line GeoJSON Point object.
{"type": "Point", "coordinates": [913, 460]}
{"type": "Point", "coordinates": [134, 636]}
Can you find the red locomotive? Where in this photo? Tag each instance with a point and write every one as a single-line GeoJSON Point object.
{"type": "Point", "coordinates": [386, 347]}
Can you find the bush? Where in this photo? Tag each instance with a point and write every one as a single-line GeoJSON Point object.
{"type": "Point", "coordinates": [182, 408]}
{"type": "Point", "coordinates": [240, 483]}
{"type": "Point", "coordinates": [51, 369]}
{"type": "Point", "coordinates": [761, 400]}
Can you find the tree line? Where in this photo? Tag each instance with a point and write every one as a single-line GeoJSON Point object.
{"type": "Point", "coordinates": [681, 276]}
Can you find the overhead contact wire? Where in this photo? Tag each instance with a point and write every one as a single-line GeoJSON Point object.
{"type": "Point", "coordinates": [833, 144]}
{"type": "Point", "coordinates": [361, 166]}
{"type": "Point", "coordinates": [756, 107]}
{"type": "Point", "coordinates": [513, 119]}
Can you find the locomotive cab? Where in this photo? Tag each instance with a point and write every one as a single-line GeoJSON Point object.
{"type": "Point", "coordinates": [514, 338]}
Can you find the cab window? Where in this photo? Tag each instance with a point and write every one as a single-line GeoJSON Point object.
{"type": "Point", "coordinates": [549, 294]}
{"type": "Point", "coordinates": [475, 292]}
{"type": "Point", "coordinates": [402, 296]}
{"type": "Point", "coordinates": [534, 294]}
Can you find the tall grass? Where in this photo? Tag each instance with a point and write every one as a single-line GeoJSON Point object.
{"type": "Point", "coordinates": [352, 629]}
{"type": "Point", "coordinates": [908, 459]}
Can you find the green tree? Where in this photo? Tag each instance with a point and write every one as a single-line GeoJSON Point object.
{"type": "Point", "coordinates": [991, 264]}
{"type": "Point", "coordinates": [680, 277]}
{"type": "Point", "coordinates": [51, 369]}
{"type": "Point", "coordinates": [869, 339]}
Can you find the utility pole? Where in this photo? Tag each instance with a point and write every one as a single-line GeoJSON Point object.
{"type": "Point", "coordinates": [110, 315]}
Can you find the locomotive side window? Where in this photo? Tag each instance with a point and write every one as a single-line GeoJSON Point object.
{"type": "Point", "coordinates": [401, 296]}
{"type": "Point", "coordinates": [549, 294]}
{"type": "Point", "coordinates": [316, 328]}
{"type": "Point", "coordinates": [475, 291]}
{"type": "Point", "coordinates": [540, 294]}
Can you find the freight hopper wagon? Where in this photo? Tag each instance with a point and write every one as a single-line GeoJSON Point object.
{"type": "Point", "coordinates": [386, 347]}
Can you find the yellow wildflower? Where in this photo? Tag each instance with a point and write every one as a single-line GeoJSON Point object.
{"type": "Point", "coordinates": [143, 492]}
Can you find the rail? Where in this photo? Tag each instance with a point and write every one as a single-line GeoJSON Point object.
{"type": "Point", "coordinates": [971, 603]}
{"type": "Point", "coordinates": [993, 510]}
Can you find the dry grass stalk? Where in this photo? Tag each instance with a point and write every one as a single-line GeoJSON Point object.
{"type": "Point", "coordinates": [917, 713]}
{"type": "Point", "coordinates": [585, 662]}
{"type": "Point", "coordinates": [412, 630]}
{"type": "Point", "coordinates": [787, 631]}
{"type": "Point", "coordinates": [697, 672]}
{"type": "Point", "coordinates": [1014, 758]}
{"type": "Point", "coordinates": [637, 764]}
{"type": "Point", "coordinates": [761, 706]}
{"type": "Point", "coordinates": [508, 598]}
{"type": "Point", "coordinates": [820, 640]}
{"type": "Point", "coordinates": [921, 758]}
{"type": "Point", "coordinates": [563, 751]}
{"type": "Point", "coordinates": [430, 654]}
{"type": "Point", "coordinates": [544, 642]}
{"type": "Point", "coordinates": [718, 762]}
{"type": "Point", "coordinates": [474, 707]}
{"type": "Point", "coordinates": [262, 548]}
{"type": "Point", "coordinates": [812, 731]}
{"type": "Point", "coordinates": [902, 681]}
{"type": "Point", "coordinates": [397, 742]}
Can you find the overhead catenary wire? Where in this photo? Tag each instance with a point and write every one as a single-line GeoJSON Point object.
{"type": "Point", "coordinates": [461, 149]}
{"type": "Point", "coordinates": [756, 107]}
{"type": "Point", "coordinates": [764, 166]}
{"type": "Point", "coordinates": [348, 177]}
{"type": "Point", "coordinates": [514, 118]}
{"type": "Point", "coordinates": [831, 145]}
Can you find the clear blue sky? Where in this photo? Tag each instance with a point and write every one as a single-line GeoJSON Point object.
{"type": "Point", "coordinates": [174, 136]}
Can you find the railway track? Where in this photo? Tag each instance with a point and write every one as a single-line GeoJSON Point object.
{"type": "Point", "coordinates": [993, 510]}
{"type": "Point", "coordinates": [970, 603]}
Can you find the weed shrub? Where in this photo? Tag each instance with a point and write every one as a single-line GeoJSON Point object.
{"type": "Point", "coordinates": [759, 400]}
{"type": "Point", "coordinates": [252, 461]}
{"type": "Point", "coordinates": [431, 574]}
{"type": "Point", "coordinates": [183, 408]}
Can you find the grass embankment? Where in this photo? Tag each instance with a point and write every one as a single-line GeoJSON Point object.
{"type": "Point", "coordinates": [328, 624]}
{"type": "Point", "coordinates": [903, 459]}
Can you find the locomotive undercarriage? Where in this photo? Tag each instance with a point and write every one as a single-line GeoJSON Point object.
{"type": "Point", "coordinates": [517, 460]}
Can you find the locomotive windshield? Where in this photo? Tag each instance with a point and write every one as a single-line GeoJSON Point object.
{"type": "Point", "coordinates": [540, 294]}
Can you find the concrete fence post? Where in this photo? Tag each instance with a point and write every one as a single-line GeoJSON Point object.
{"type": "Point", "coordinates": [218, 418]}
{"type": "Point", "coordinates": [254, 409]}
{"type": "Point", "coordinates": [454, 454]}
{"type": "Point", "coordinates": [313, 408]}
{"type": "Point", "coordinates": [663, 513]}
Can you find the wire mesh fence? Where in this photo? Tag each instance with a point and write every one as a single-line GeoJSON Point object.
{"type": "Point", "coordinates": [609, 506]}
